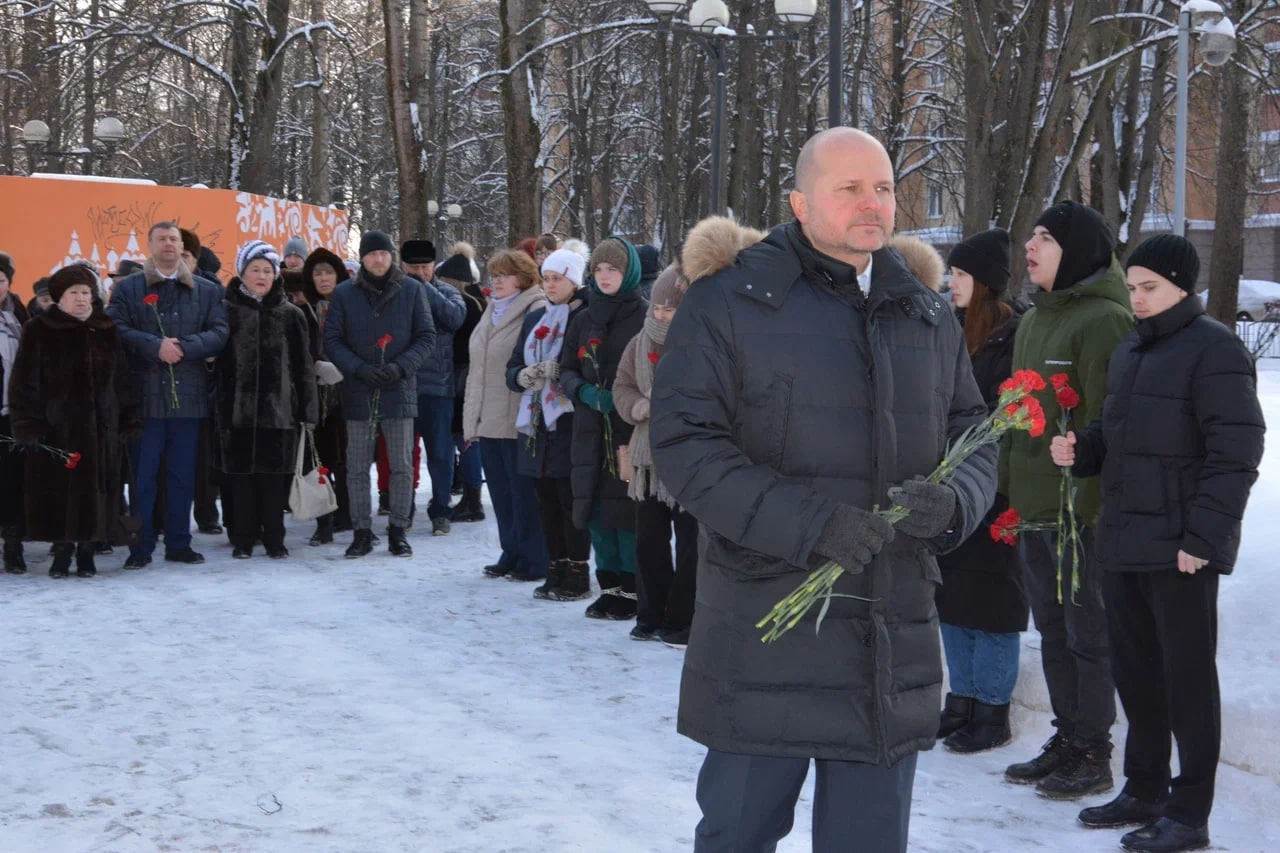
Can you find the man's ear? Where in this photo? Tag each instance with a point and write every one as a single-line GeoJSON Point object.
{"type": "Point", "coordinates": [800, 206]}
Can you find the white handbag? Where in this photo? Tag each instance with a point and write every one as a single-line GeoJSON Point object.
{"type": "Point", "coordinates": [311, 494]}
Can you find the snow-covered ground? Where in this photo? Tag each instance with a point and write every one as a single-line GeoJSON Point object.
{"type": "Point", "coordinates": [321, 704]}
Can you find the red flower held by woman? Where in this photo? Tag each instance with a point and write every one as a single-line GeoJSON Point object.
{"type": "Point", "coordinates": [151, 299]}
{"type": "Point", "coordinates": [653, 358]}
{"type": "Point", "coordinates": [73, 460]}
{"type": "Point", "coordinates": [1004, 528]}
{"type": "Point", "coordinates": [595, 342]}
{"type": "Point", "coordinates": [1029, 378]}
{"type": "Point", "coordinates": [582, 352]}
{"type": "Point", "coordinates": [1027, 411]}
{"type": "Point", "coordinates": [542, 332]}
{"type": "Point", "coordinates": [1059, 381]}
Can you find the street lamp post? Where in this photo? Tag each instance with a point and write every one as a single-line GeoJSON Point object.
{"type": "Point", "coordinates": [709, 22]}
{"type": "Point", "coordinates": [108, 132]}
{"type": "Point", "coordinates": [1217, 42]}
{"type": "Point", "coordinates": [445, 214]}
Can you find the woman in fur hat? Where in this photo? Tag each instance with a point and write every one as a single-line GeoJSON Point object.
{"type": "Point", "coordinates": [266, 388]}
{"type": "Point", "coordinates": [545, 424]}
{"type": "Point", "coordinates": [73, 405]}
{"type": "Point", "coordinates": [588, 364]}
{"type": "Point", "coordinates": [322, 272]}
{"type": "Point", "coordinates": [666, 607]}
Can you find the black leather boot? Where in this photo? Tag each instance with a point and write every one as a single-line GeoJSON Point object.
{"type": "Point", "coordinates": [957, 711]}
{"type": "Point", "coordinates": [1052, 756]}
{"type": "Point", "coordinates": [576, 583]}
{"type": "Point", "coordinates": [62, 554]}
{"type": "Point", "coordinates": [361, 544]}
{"type": "Point", "coordinates": [324, 530]}
{"type": "Point", "coordinates": [397, 544]}
{"type": "Point", "coordinates": [1086, 771]}
{"type": "Point", "coordinates": [1124, 810]}
{"type": "Point", "coordinates": [987, 729]}
{"type": "Point", "coordinates": [555, 575]}
{"type": "Point", "coordinates": [84, 560]}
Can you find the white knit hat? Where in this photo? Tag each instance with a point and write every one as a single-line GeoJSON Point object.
{"type": "Point", "coordinates": [252, 251]}
{"type": "Point", "coordinates": [568, 263]}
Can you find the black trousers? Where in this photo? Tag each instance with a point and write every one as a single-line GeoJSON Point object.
{"type": "Point", "coordinates": [1074, 647]}
{"type": "Point", "coordinates": [208, 476]}
{"type": "Point", "coordinates": [1164, 641]}
{"type": "Point", "coordinates": [667, 588]}
{"type": "Point", "coordinates": [257, 508]}
{"type": "Point", "coordinates": [555, 516]}
{"type": "Point", "coordinates": [748, 804]}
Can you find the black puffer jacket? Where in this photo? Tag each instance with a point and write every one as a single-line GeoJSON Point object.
{"type": "Point", "coordinates": [1179, 443]}
{"type": "Point", "coordinates": [776, 399]}
{"type": "Point", "coordinates": [982, 580]}
{"type": "Point", "coordinates": [614, 321]}
{"type": "Point", "coordinates": [266, 383]}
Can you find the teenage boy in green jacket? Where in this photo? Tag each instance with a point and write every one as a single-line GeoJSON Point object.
{"type": "Point", "coordinates": [1081, 313]}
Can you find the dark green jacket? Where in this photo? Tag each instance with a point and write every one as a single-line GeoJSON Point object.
{"type": "Point", "coordinates": [1072, 331]}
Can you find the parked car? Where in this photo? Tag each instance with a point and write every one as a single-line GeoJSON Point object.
{"type": "Point", "coordinates": [1258, 300]}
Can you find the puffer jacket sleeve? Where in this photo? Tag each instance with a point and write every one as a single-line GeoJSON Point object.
{"type": "Point", "coordinates": [626, 391]}
{"type": "Point", "coordinates": [422, 331]}
{"type": "Point", "coordinates": [695, 401]}
{"type": "Point", "coordinates": [123, 308]}
{"type": "Point", "coordinates": [214, 330]}
{"type": "Point", "coordinates": [974, 481]}
{"type": "Point", "coordinates": [448, 309]}
{"type": "Point", "coordinates": [1225, 396]}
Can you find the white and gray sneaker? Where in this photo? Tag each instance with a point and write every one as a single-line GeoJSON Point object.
{"type": "Point", "coordinates": [440, 526]}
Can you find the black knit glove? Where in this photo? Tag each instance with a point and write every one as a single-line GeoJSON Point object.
{"type": "Point", "coordinates": [369, 375]}
{"type": "Point", "coordinates": [932, 505]}
{"type": "Point", "coordinates": [852, 537]}
{"type": "Point", "coordinates": [390, 374]}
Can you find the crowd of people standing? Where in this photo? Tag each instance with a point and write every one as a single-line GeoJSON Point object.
{"type": "Point", "coordinates": [754, 401]}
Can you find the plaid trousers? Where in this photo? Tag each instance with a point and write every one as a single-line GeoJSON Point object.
{"type": "Point", "coordinates": [398, 434]}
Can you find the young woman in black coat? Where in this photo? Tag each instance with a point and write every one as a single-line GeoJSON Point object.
{"type": "Point", "coordinates": [266, 390]}
{"type": "Point", "coordinates": [1178, 445]}
{"type": "Point", "coordinates": [588, 363]}
{"type": "Point", "coordinates": [322, 272]}
{"type": "Point", "coordinates": [545, 424]}
{"type": "Point", "coordinates": [981, 604]}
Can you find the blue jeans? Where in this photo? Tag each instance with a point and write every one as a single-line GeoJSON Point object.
{"type": "Point", "coordinates": [516, 506]}
{"type": "Point", "coordinates": [469, 462]}
{"type": "Point", "coordinates": [983, 666]}
{"type": "Point", "coordinates": [176, 440]}
{"type": "Point", "coordinates": [435, 424]}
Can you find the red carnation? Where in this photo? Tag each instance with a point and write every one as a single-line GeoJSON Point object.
{"type": "Point", "coordinates": [595, 342]}
{"type": "Point", "coordinates": [1002, 530]}
{"type": "Point", "coordinates": [323, 470]}
{"type": "Point", "coordinates": [1058, 381]}
{"type": "Point", "coordinates": [1035, 413]}
{"type": "Point", "coordinates": [73, 460]}
{"type": "Point", "coordinates": [151, 299]}
{"type": "Point", "coordinates": [541, 332]}
{"type": "Point", "coordinates": [1067, 397]}
{"type": "Point", "coordinates": [582, 352]}
{"type": "Point", "coordinates": [653, 358]}
{"type": "Point", "coordinates": [383, 341]}
{"type": "Point", "coordinates": [486, 291]}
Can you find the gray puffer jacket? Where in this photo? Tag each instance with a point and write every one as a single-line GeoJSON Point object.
{"type": "Point", "coordinates": [779, 396]}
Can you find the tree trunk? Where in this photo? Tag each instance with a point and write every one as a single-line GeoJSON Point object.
{"type": "Point", "coordinates": [318, 185]}
{"type": "Point", "coordinates": [1227, 261]}
{"type": "Point", "coordinates": [521, 134]}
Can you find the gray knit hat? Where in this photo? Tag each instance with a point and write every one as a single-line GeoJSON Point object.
{"type": "Point", "coordinates": [295, 246]}
{"type": "Point", "coordinates": [668, 288]}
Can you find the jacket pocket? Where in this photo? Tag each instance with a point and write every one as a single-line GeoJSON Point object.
{"type": "Point", "coordinates": [778, 419]}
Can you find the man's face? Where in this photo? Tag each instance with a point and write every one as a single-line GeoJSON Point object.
{"type": "Point", "coordinates": [294, 262]}
{"type": "Point", "coordinates": [1044, 255]}
{"type": "Point", "coordinates": [165, 245]}
{"type": "Point", "coordinates": [423, 271]}
{"type": "Point", "coordinates": [378, 263]}
{"type": "Point", "coordinates": [848, 208]}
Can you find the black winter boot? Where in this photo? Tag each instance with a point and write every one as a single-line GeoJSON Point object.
{"type": "Point", "coordinates": [1124, 810]}
{"type": "Point", "coordinates": [62, 554]}
{"type": "Point", "coordinates": [576, 583]}
{"type": "Point", "coordinates": [469, 508]}
{"type": "Point", "coordinates": [396, 543]}
{"type": "Point", "coordinates": [1166, 835]}
{"type": "Point", "coordinates": [14, 562]}
{"type": "Point", "coordinates": [555, 576]}
{"type": "Point", "coordinates": [361, 544]}
{"type": "Point", "coordinates": [1086, 771]}
{"type": "Point", "coordinates": [84, 560]}
{"type": "Point", "coordinates": [624, 603]}
{"type": "Point", "coordinates": [957, 711]}
{"type": "Point", "coordinates": [610, 585]}
{"type": "Point", "coordinates": [988, 729]}
{"type": "Point", "coordinates": [1052, 756]}
{"type": "Point", "coordinates": [324, 530]}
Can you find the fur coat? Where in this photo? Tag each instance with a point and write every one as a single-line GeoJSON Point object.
{"type": "Point", "coordinates": [71, 390]}
{"type": "Point", "coordinates": [266, 383]}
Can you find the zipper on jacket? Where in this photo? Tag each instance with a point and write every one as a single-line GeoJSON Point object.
{"type": "Point", "coordinates": [877, 695]}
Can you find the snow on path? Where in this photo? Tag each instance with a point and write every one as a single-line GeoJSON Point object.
{"type": "Point", "coordinates": [321, 704]}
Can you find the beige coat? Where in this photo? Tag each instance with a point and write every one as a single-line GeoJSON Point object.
{"type": "Point", "coordinates": [489, 408]}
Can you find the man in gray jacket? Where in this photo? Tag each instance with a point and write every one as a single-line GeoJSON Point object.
{"type": "Point", "coordinates": [802, 378]}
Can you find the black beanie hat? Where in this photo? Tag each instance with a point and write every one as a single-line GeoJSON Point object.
{"type": "Point", "coordinates": [457, 268]}
{"type": "Point", "coordinates": [1170, 256]}
{"type": "Point", "coordinates": [985, 256]}
{"type": "Point", "coordinates": [1086, 241]}
{"type": "Point", "coordinates": [376, 241]}
{"type": "Point", "coordinates": [417, 252]}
